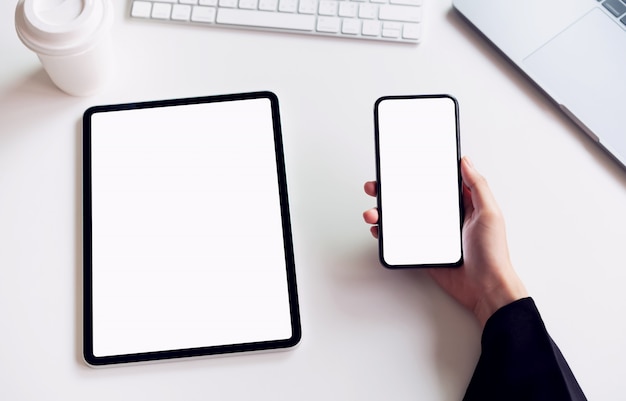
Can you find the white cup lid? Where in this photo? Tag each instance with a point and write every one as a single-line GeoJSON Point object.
{"type": "Point", "coordinates": [62, 27]}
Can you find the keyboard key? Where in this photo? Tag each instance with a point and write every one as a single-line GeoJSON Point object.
{"type": "Point", "coordinates": [406, 2]}
{"type": "Point", "coordinates": [262, 19]}
{"type": "Point", "coordinates": [307, 7]}
{"type": "Point", "coordinates": [161, 11]}
{"type": "Point", "coordinates": [391, 29]}
{"type": "Point", "coordinates": [368, 11]}
{"type": "Point", "coordinates": [390, 33]}
{"type": "Point", "coordinates": [615, 7]}
{"type": "Point", "coordinates": [203, 14]}
{"type": "Point", "coordinates": [212, 3]}
{"type": "Point", "coordinates": [400, 13]}
{"type": "Point", "coordinates": [328, 24]}
{"type": "Point", "coordinates": [181, 12]}
{"type": "Point", "coordinates": [348, 9]}
{"type": "Point", "coordinates": [288, 6]}
{"type": "Point", "coordinates": [411, 31]}
{"type": "Point", "coordinates": [351, 26]}
{"type": "Point", "coordinates": [328, 7]}
{"type": "Point", "coordinates": [141, 9]}
{"type": "Point", "coordinates": [371, 28]}
{"type": "Point", "coordinates": [248, 4]}
{"type": "Point", "coordinates": [268, 5]}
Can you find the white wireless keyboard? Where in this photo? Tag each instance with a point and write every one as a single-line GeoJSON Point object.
{"type": "Point", "coordinates": [390, 20]}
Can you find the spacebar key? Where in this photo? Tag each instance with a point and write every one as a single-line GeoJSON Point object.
{"type": "Point", "coordinates": [231, 16]}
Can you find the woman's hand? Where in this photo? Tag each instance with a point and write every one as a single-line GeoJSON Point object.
{"type": "Point", "coordinates": [486, 281]}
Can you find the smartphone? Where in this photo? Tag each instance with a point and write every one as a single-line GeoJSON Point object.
{"type": "Point", "coordinates": [419, 200]}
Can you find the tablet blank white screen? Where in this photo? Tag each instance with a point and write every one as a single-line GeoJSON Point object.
{"type": "Point", "coordinates": [419, 181]}
{"type": "Point", "coordinates": [187, 233]}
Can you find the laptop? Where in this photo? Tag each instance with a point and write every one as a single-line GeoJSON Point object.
{"type": "Point", "coordinates": [575, 50]}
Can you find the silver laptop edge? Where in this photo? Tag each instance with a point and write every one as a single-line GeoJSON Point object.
{"type": "Point", "coordinates": [536, 36]}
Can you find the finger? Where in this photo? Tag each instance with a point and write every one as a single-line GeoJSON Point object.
{"type": "Point", "coordinates": [374, 231]}
{"type": "Point", "coordinates": [468, 206]}
{"type": "Point", "coordinates": [481, 195]}
{"type": "Point", "coordinates": [371, 188]}
{"type": "Point", "coordinates": [371, 216]}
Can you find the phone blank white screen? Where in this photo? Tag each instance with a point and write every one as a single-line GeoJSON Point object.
{"type": "Point", "coordinates": [419, 185]}
{"type": "Point", "coordinates": [187, 232]}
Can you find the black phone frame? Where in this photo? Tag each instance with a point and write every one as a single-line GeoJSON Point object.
{"type": "Point", "coordinates": [379, 185]}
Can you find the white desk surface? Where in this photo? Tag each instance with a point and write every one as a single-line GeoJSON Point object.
{"type": "Point", "coordinates": [368, 333]}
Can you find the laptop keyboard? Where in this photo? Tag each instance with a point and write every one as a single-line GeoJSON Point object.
{"type": "Point", "coordinates": [617, 8]}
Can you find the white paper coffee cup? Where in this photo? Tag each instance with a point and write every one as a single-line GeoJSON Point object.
{"type": "Point", "coordinates": [72, 38]}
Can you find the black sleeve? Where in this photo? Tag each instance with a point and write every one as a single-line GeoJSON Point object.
{"type": "Point", "coordinates": [519, 360]}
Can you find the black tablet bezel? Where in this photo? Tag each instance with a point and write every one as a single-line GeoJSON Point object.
{"type": "Point", "coordinates": [88, 353]}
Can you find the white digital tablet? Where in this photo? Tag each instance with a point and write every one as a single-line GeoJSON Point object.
{"type": "Point", "coordinates": [187, 238]}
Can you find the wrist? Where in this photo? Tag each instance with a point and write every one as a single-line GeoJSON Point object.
{"type": "Point", "coordinates": [501, 295]}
